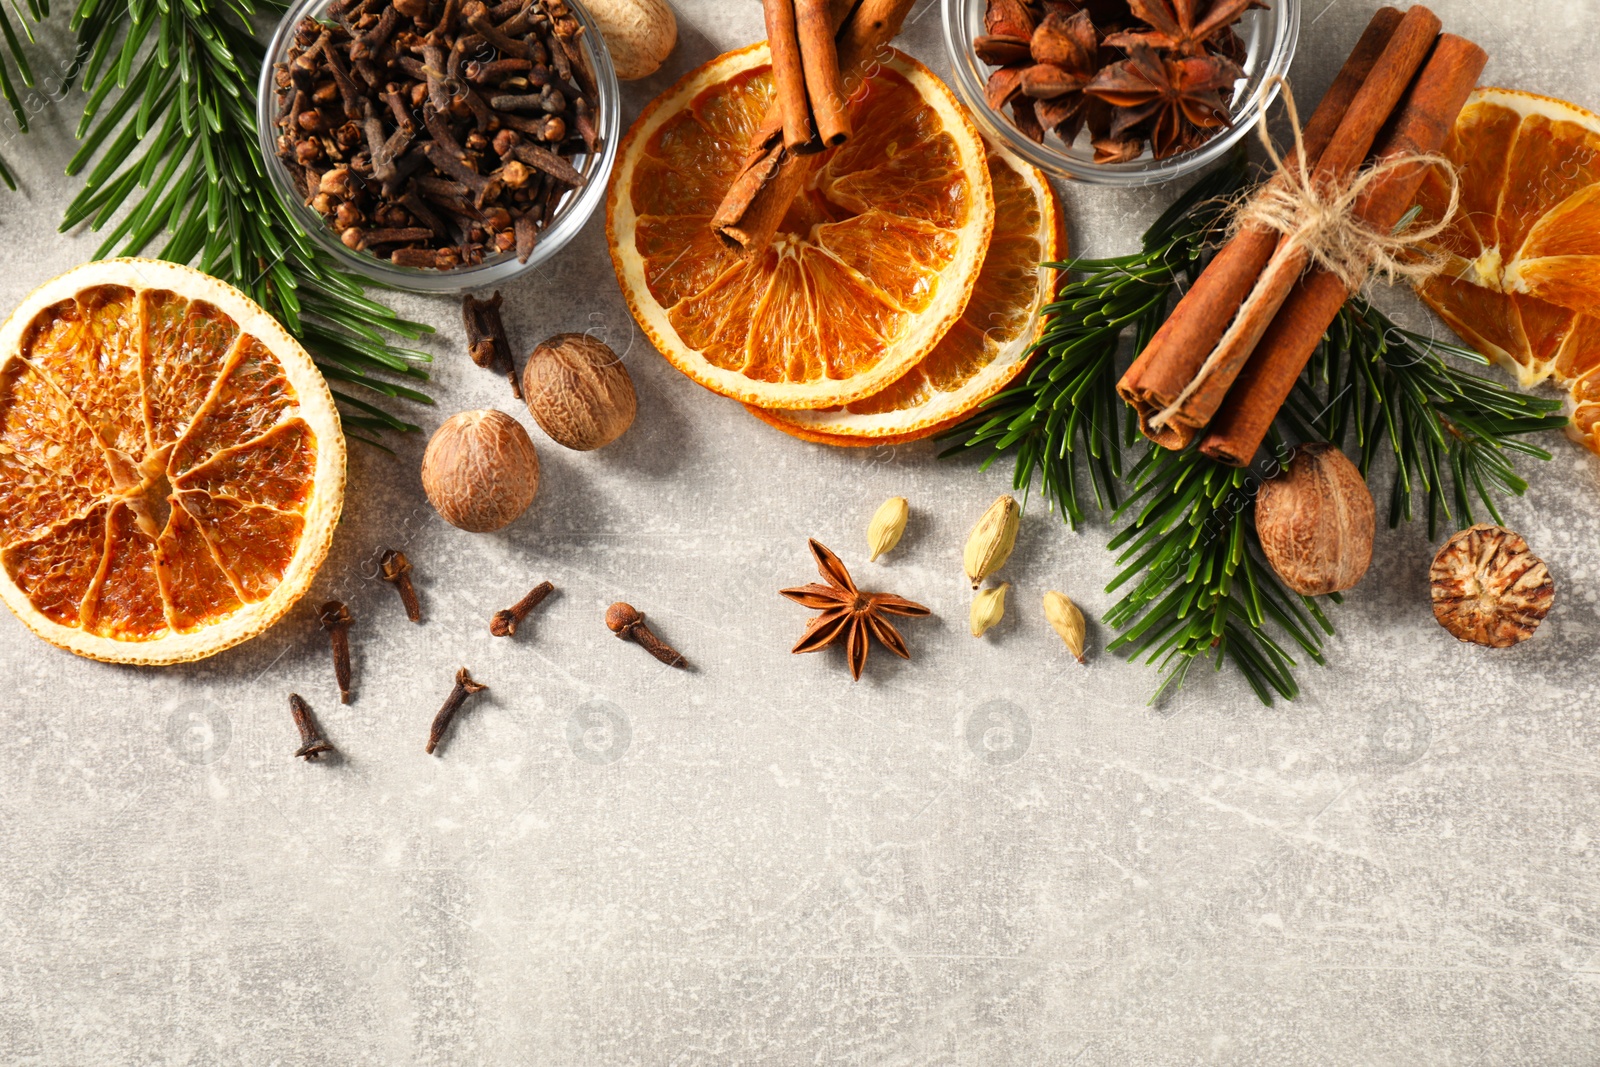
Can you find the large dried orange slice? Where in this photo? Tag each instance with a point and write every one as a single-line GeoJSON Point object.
{"type": "Point", "coordinates": [1522, 266]}
{"type": "Point", "coordinates": [988, 345]}
{"type": "Point", "coordinates": [171, 464]}
{"type": "Point", "coordinates": [871, 267]}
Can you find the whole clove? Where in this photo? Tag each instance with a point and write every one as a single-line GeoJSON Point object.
{"type": "Point", "coordinates": [627, 622]}
{"type": "Point", "coordinates": [416, 129]}
{"type": "Point", "coordinates": [396, 570]}
{"type": "Point", "coordinates": [464, 688]}
{"type": "Point", "coordinates": [504, 623]}
{"type": "Point", "coordinates": [312, 743]}
{"type": "Point", "coordinates": [487, 343]}
{"type": "Point", "coordinates": [335, 618]}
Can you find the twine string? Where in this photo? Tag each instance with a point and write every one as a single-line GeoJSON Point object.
{"type": "Point", "coordinates": [1320, 217]}
{"type": "Point", "coordinates": [1318, 220]}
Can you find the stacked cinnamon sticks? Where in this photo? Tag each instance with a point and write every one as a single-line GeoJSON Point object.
{"type": "Point", "coordinates": [820, 52]}
{"type": "Point", "coordinates": [1222, 365]}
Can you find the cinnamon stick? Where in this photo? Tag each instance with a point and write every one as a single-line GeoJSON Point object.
{"type": "Point", "coordinates": [1421, 127]}
{"type": "Point", "coordinates": [1338, 135]}
{"type": "Point", "coordinates": [824, 85]}
{"type": "Point", "coordinates": [772, 177]}
{"type": "Point", "coordinates": [788, 73]}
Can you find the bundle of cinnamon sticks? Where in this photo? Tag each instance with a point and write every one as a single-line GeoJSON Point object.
{"type": "Point", "coordinates": [1225, 361]}
{"type": "Point", "coordinates": [820, 49]}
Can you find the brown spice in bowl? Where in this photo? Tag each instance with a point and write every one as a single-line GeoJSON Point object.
{"type": "Point", "coordinates": [1130, 72]}
{"type": "Point", "coordinates": [435, 133]}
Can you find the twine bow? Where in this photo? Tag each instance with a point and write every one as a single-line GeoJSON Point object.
{"type": "Point", "coordinates": [1320, 216]}
{"type": "Point", "coordinates": [1321, 227]}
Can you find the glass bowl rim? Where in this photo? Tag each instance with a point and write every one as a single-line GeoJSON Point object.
{"type": "Point", "coordinates": [570, 218]}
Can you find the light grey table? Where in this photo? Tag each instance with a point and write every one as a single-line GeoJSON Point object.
{"type": "Point", "coordinates": [989, 855]}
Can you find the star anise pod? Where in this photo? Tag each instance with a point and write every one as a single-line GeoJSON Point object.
{"type": "Point", "coordinates": [1177, 26]}
{"type": "Point", "coordinates": [1168, 98]}
{"type": "Point", "coordinates": [849, 614]}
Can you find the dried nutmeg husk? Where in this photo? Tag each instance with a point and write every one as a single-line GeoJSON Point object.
{"type": "Point", "coordinates": [988, 608]}
{"type": "Point", "coordinates": [1489, 588]}
{"type": "Point", "coordinates": [480, 470]}
{"type": "Point", "coordinates": [992, 539]}
{"type": "Point", "coordinates": [579, 392]}
{"type": "Point", "coordinates": [1316, 522]}
{"type": "Point", "coordinates": [887, 524]}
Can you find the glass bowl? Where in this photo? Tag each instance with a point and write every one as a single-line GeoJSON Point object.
{"type": "Point", "coordinates": [573, 212]}
{"type": "Point", "coordinates": [1269, 35]}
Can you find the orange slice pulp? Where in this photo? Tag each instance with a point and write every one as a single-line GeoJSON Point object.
{"type": "Point", "coordinates": [985, 349]}
{"type": "Point", "coordinates": [872, 266]}
{"type": "Point", "coordinates": [1522, 276]}
{"type": "Point", "coordinates": [171, 464]}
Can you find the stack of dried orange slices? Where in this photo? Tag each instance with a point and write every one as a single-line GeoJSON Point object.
{"type": "Point", "coordinates": [1522, 256]}
{"type": "Point", "coordinates": [171, 464]}
{"type": "Point", "coordinates": [902, 289]}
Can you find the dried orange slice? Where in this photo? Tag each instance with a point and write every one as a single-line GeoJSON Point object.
{"type": "Point", "coordinates": [171, 464]}
{"type": "Point", "coordinates": [871, 267]}
{"type": "Point", "coordinates": [1522, 275]}
{"type": "Point", "coordinates": [988, 345]}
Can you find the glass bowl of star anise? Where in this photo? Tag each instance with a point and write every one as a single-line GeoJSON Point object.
{"type": "Point", "coordinates": [1119, 92]}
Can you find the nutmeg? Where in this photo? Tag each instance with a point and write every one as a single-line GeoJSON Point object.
{"type": "Point", "coordinates": [639, 34]}
{"type": "Point", "coordinates": [578, 391]}
{"type": "Point", "coordinates": [1316, 522]}
{"type": "Point", "coordinates": [480, 470]}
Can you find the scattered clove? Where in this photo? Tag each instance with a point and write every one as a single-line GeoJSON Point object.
{"type": "Point", "coordinates": [388, 100]}
{"type": "Point", "coordinates": [505, 621]}
{"type": "Point", "coordinates": [486, 338]}
{"type": "Point", "coordinates": [335, 618]}
{"type": "Point", "coordinates": [312, 743]}
{"type": "Point", "coordinates": [464, 688]}
{"type": "Point", "coordinates": [396, 570]}
{"type": "Point", "coordinates": [627, 622]}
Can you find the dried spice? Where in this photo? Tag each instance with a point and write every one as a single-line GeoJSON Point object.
{"type": "Point", "coordinates": [312, 743]}
{"type": "Point", "coordinates": [463, 688]}
{"type": "Point", "coordinates": [988, 608]}
{"type": "Point", "coordinates": [1067, 621]}
{"type": "Point", "coordinates": [627, 622]}
{"type": "Point", "coordinates": [990, 543]}
{"type": "Point", "coordinates": [395, 569]}
{"type": "Point", "coordinates": [506, 620]}
{"type": "Point", "coordinates": [480, 470]}
{"type": "Point", "coordinates": [887, 525]}
{"type": "Point", "coordinates": [1489, 588]}
{"type": "Point", "coordinates": [1316, 522]}
{"type": "Point", "coordinates": [335, 618]}
{"type": "Point", "coordinates": [1130, 71]}
{"type": "Point", "coordinates": [848, 614]}
{"type": "Point", "coordinates": [436, 135]}
{"type": "Point", "coordinates": [487, 344]}
{"type": "Point", "coordinates": [579, 392]}
{"type": "Point", "coordinates": [1170, 101]}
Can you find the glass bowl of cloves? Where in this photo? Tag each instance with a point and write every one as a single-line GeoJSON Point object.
{"type": "Point", "coordinates": [1119, 92]}
{"type": "Point", "coordinates": [439, 145]}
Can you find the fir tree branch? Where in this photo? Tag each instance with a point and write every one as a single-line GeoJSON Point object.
{"type": "Point", "coordinates": [1196, 585]}
{"type": "Point", "coordinates": [1453, 434]}
{"type": "Point", "coordinates": [1064, 415]}
{"type": "Point", "coordinates": [168, 140]}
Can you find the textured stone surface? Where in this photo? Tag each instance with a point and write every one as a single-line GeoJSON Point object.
{"type": "Point", "coordinates": [989, 855]}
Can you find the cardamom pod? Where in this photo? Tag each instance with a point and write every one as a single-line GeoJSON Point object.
{"type": "Point", "coordinates": [992, 539]}
{"type": "Point", "coordinates": [1066, 620]}
{"type": "Point", "coordinates": [988, 608]}
{"type": "Point", "coordinates": [887, 524]}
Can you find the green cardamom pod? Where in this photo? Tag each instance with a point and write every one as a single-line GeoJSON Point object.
{"type": "Point", "coordinates": [992, 539]}
{"type": "Point", "coordinates": [988, 608]}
